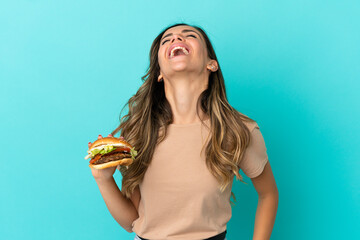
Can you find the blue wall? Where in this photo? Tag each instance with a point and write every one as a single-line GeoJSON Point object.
{"type": "Point", "coordinates": [68, 67]}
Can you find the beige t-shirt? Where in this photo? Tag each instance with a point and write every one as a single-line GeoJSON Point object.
{"type": "Point", "coordinates": [180, 198]}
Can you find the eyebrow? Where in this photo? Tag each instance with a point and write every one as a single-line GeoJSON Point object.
{"type": "Point", "coordinates": [183, 31]}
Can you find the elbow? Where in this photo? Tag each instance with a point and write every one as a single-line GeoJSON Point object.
{"type": "Point", "coordinates": [128, 228]}
{"type": "Point", "coordinates": [129, 224]}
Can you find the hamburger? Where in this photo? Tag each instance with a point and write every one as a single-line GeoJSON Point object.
{"type": "Point", "coordinates": [110, 152]}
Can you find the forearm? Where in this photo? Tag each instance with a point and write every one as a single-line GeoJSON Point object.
{"type": "Point", "coordinates": [121, 208]}
{"type": "Point", "coordinates": [265, 217]}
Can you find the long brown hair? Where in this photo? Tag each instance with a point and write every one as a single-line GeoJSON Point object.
{"type": "Point", "coordinates": [149, 112]}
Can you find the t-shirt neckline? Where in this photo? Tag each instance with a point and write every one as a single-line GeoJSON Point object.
{"type": "Point", "coordinates": [189, 124]}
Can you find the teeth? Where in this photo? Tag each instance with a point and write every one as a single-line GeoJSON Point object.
{"type": "Point", "coordinates": [175, 48]}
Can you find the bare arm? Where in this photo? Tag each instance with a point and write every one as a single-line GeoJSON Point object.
{"type": "Point", "coordinates": [121, 208]}
{"type": "Point", "coordinates": [267, 206]}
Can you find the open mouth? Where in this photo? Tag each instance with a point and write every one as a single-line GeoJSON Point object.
{"type": "Point", "coordinates": [178, 51]}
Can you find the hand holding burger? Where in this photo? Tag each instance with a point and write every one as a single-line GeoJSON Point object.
{"type": "Point", "coordinates": [110, 152]}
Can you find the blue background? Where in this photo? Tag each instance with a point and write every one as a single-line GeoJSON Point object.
{"type": "Point", "coordinates": [68, 67]}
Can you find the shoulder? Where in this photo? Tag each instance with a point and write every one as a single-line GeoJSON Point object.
{"type": "Point", "coordinates": [251, 125]}
{"type": "Point", "coordinates": [256, 137]}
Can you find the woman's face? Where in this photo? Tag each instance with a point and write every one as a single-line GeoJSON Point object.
{"type": "Point", "coordinates": [193, 59]}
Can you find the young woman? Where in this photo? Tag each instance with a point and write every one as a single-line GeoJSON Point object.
{"type": "Point", "coordinates": [190, 143]}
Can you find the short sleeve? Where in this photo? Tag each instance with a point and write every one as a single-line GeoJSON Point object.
{"type": "Point", "coordinates": [256, 156]}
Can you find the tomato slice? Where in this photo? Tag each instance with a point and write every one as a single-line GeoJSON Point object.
{"type": "Point", "coordinates": [97, 157]}
{"type": "Point", "coordinates": [121, 149]}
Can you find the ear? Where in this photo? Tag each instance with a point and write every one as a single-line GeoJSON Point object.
{"type": "Point", "coordinates": [212, 65]}
{"type": "Point", "coordinates": [160, 78]}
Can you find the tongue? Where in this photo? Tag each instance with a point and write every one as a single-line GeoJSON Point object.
{"type": "Point", "coordinates": [179, 52]}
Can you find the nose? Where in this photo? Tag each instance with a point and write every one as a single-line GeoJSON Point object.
{"type": "Point", "coordinates": [177, 37]}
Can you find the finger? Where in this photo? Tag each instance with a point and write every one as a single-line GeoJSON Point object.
{"type": "Point", "coordinates": [89, 144]}
{"type": "Point", "coordinates": [121, 137]}
{"type": "Point", "coordinates": [99, 137]}
{"type": "Point", "coordinates": [110, 135]}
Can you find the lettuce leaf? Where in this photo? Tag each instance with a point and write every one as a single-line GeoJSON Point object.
{"type": "Point", "coordinates": [108, 149]}
{"type": "Point", "coordinates": [103, 151]}
{"type": "Point", "coordinates": [133, 153]}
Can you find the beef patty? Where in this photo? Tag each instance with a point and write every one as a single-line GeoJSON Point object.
{"type": "Point", "coordinates": [112, 157]}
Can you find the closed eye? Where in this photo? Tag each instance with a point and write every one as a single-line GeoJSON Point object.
{"type": "Point", "coordinates": [187, 36]}
{"type": "Point", "coordinates": [164, 42]}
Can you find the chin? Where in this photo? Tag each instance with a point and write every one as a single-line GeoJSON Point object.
{"type": "Point", "coordinates": [180, 67]}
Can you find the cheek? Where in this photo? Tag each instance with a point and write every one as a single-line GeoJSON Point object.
{"type": "Point", "coordinates": [161, 55]}
{"type": "Point", "coordinates": [202, 51]}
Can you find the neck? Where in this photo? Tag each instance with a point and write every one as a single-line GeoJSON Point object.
{"type": "Point", "coordinates": [182, 92]}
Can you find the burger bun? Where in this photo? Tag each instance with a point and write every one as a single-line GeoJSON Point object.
{"type": "Point", "coordinates": [109, 141]}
